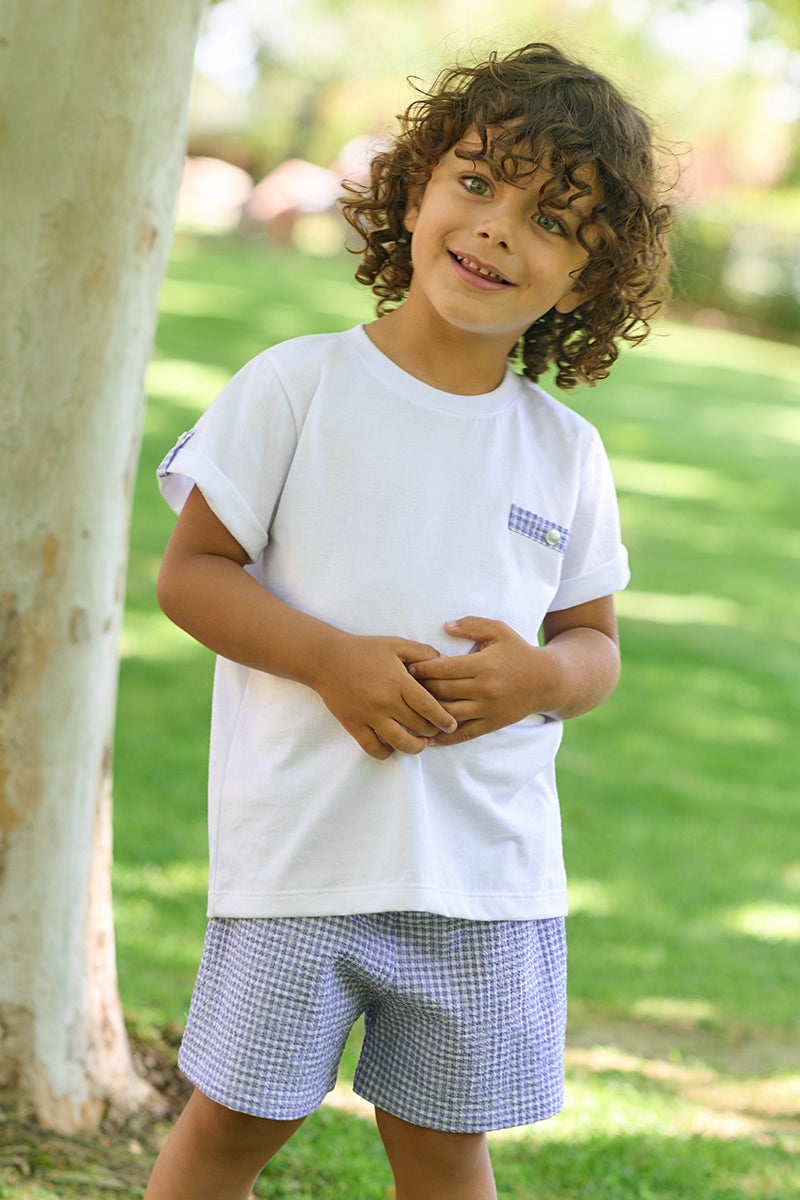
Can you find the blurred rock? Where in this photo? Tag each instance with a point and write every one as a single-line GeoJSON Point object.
{"type": "Point", "coordinates": [212, 195]}
{"type": "Point", "coordinates": [295, 188]}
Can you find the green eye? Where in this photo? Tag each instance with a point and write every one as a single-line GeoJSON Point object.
{"type": "Point", "coordinates": [476, 184]}
{"type": "Point", "coordinates": [550, 224]}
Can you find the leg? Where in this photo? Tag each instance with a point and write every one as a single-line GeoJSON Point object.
{"type": "Point", "coordinates": [430, 1165]}
{"type": "Point", "coordinates": [214, 1153]}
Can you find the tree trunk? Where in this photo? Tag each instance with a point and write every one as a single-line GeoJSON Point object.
{"type": "Point", "coordinates": [93, 99]}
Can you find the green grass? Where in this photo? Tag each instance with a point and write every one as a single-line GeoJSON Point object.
{"type": "Point", "coordinates": [679, 795]}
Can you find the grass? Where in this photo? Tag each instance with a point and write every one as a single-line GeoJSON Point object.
{"type": "Point", "coordinates": [679, 795]}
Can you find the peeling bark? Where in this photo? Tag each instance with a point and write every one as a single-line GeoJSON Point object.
{"type": "Point", "coordinates": [92, 131]}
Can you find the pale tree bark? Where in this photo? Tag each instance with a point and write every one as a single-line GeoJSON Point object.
{"type": "Point", "coordinates": [93, 98]}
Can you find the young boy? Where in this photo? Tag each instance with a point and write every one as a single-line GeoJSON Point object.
{"type": "Point", "coordinates": [384, 824]}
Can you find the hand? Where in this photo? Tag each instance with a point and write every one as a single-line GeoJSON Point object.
{"type": "Point", "coordinates": [501, 681]}
{"type": "Point", "coordinates": [365, 683]}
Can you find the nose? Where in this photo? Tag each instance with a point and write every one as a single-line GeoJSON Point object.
{"type": "Point", "coordinates": [491, 236]}
{"type": "Point", "coordinates": [495, 227]}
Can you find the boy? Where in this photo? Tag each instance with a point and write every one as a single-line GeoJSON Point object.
{"type": "Point", "coordinates": [384, 824]}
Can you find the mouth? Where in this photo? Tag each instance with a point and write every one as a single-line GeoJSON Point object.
{"type": "Point", "coordinates": [479, 272]}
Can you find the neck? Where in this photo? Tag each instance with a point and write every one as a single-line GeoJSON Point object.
{"type": "Point", "coordinates": [450, 359]}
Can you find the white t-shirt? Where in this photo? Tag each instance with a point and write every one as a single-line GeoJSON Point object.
{"type": "Point", "coordinates": [384, 506]}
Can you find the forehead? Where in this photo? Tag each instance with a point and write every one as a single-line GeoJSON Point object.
{"type": "Point", "coordinates": [526, 167]}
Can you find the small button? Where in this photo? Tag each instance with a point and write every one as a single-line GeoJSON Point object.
{"type": "Point", "coordinates": [552, 537]}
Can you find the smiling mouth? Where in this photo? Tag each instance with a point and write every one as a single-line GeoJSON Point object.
{"type": "Point", "coordinates": [480, 269]}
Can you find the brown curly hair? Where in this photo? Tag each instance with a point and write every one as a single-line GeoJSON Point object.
{"type": "Point", "coordinates": [531, 107]}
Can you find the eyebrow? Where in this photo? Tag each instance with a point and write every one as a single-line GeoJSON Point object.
{"type": "Point", "coordinates": [582, 206]}
{"type": "Point", "coordinates": [477, 156]}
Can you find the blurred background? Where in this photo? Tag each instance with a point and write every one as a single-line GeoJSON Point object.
{"type": "Point", "coordinates": [290, 97]}
{"type": "Point", "coordinates": [680, 794]}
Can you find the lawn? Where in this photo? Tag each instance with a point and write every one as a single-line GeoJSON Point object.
{"type": "Point", "coordinates": [679, 796]}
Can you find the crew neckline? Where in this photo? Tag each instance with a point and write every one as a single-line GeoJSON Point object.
{"type": "Point", "coordinates": [416, 391]}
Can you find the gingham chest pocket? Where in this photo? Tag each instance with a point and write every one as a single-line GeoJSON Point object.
{"type": "Point", "coordinates": [538, 529]}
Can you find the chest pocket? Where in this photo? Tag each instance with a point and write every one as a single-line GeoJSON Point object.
{"type": "Point", "coordinates": [538, 529]}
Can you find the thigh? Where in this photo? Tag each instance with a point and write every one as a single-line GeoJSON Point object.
{"type": "Point", "coordinates": [428, 1164]}
{"type": "Point", "coordinates": [214, 1152]}
{"type": "Point", "coordinates": [270, 1015]}
{"type": "Point", "coordinates": [219, 1131]}
{"type": "Point", "coordinates": [469, 1034]}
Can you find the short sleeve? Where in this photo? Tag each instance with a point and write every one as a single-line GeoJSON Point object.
{"type": "Point", "coordinates": [595, 562]}
{"type": "Point", "coordinates": [238, 455]}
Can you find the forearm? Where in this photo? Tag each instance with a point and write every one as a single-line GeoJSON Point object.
{"type": "Point", "coordinates": [505, 678]}
{"type": "Point", "coordinates": [362, 680]}
{"type": "Point", "coordinates": [582, 668]}
{"type": "Point", "coordinates": [218, 603]}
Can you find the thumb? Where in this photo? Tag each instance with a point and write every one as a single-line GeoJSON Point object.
{"type": "Point", "coordinates": [478, 629]}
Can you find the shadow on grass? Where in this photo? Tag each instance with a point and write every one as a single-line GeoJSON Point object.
{"type": "Point", "coordinates": [645, 1168]}
{"type": "Point", "coordinates": [678, 795]}
{"type": "Point", "coordinates": [336, 1156]}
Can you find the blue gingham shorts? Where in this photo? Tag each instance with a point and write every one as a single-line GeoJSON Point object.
{"type": "Point", "coordinates": [464, 1020]}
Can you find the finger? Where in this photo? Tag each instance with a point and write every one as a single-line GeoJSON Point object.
{"type": "Point", "coordinates": [466, 732]}
{"type": "Point", "coordinates": [415, 724]}
{"type": "Point", "coordinates": [400, 738]}
{"type": "Point", "coordinates": [479, 629]}
{"type": "Point", "coordinates": [409, 652]}
{"type": "Point", "coordinates": [450, 689]}
{"type": "Point", "coordinates": [424, 705]}
{"type": "Point", "coordinates": [372, 745]}
{"type": "Point", "coordinates": [463, 710]}
{"type": "Point", "coordinates": [456, 666]}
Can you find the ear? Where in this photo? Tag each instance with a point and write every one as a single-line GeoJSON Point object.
{"type": "Point", "coordinates": [412, 208]}
{"type": "Point", "coordinates": [575, 297]}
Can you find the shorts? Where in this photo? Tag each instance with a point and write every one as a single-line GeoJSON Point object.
{"type": "Point", "coordinates": [464, 1020]}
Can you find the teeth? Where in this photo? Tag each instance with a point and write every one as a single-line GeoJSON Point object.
{"type": "Point", "coordinates": [473, 266]}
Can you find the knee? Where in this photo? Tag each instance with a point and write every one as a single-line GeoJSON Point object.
{"type": "Point", "coordinates": [429, 1163]}
{"type": "Point", "coordinates": [451, 1154]}
{"type": "Point", "coordinates": [222, 1131]}
{"type": "Point", "coordinates": [214, 1124]}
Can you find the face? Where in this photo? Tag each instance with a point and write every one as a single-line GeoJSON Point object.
{"type": "Point", "coordinates": [488, 258]}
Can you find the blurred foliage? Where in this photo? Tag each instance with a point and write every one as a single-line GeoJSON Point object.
{"type": "Point", "coordinates": [705, 69]}
{"type": "Point", "coordinates": [738, 262]}
{"type": "Point", "coordinates": [280, 79]}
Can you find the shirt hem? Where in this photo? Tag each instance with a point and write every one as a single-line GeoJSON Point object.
{"type": "Point", "coordinates": [517, 907]}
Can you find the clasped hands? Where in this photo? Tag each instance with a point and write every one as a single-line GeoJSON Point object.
{"type": "Point", "coordinates": [392, 694]}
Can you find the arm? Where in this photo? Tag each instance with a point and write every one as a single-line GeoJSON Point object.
{"type": "Point", "coordinates": [507, 678]}
{"type": "Point", "coordinates": [363, 681]}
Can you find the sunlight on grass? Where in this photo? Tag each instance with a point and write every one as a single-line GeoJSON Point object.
{"type": "Point", "coordinates": [668, 479]}
{"type": "Point", "coordinates": [612, 1093]}
{"type": "Point", "coordinates": [674, 1010]}
{"type": "Point", "coordinates": [680, 610]}
{"type": "Point", "coordinates": [192, 383]}
{"type": "Point", "coordinates": [679, 795]}
{"type": "Point", "coordinates": [591, 897]}
{"type": "Point", "coordinates": [173, 879]}
{"type": "Point", "coordinates": [769, 922]}
{"type": "Point", "coordinates": [150, 636]}
{"type": "Point", "coordinates": [695, 346]}
{"type": "Point", "coordinates": [185, 298]}
{"type": "Point", "coordinates": [783, 423]}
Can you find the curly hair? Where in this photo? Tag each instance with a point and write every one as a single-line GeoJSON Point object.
{"type": "Point", "coordinates": [535, 107]}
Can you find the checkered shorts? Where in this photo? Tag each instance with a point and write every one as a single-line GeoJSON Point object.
{"type": "Point", "coordinates": [464, 1020]}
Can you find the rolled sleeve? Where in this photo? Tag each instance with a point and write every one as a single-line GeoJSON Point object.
{"type": "Point", "coordinates": [596, 561]}
{"type": "Point", "coordinates": [238, 455]}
